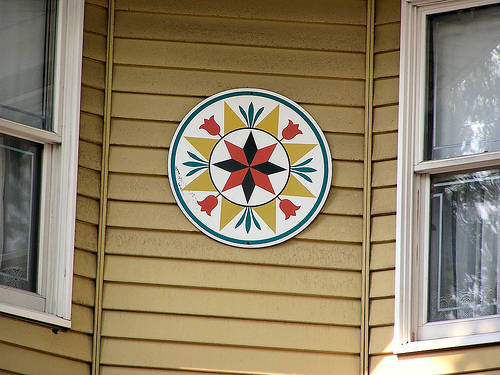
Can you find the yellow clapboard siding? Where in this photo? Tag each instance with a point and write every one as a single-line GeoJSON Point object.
{"type": "Point", "coordinates": [89, 155]}
{"type": "Point", "coordinates": [225, 331]}
{"type": "Point", "coordinates": [239, 59]}
{"type": "Point", "coordinates": [142, 133]}
{"type": "Point", "coordinates": [68, 344]}
{"type": "Point", "coordinates": [93, 73]}
{"type": "Point", "coordinates": [83, 291]}
{"type": "Point", "coordinates": [232, 276]}
{"type": "Point", "coordinates": [381, 340]}
{"type": "Point", "coordinates": [382, 284]}
{"type": "Point", "coordinates": [240, 32]}
{"type": "Point", "coordinates": [222, 303]}
{"type": "Point", "coordinates": [89, 182]}
{"type": "Point", "coordinates": [226, 359]}
{"type": "Point", "coordinates": [198, 246]}
{"type": "Point", "coordinates": [25, 361]}
{"type": "Point", "coordinates": [387, 37]}
{"type": "Point", "coordinates": [384, 228]}
{"type": "Point", "coordinates": [385, 91]}
{"type": "Point", "coordinates": [101, 3]}
{"type": "Point", "coordinates": [92, 100]}
{"type": "Point", "coordinates": [336, 11]}
{"type": "Point", "coordinates": [91, 128]}
{"type": "Point", "coordinates": [387, 11]}
{"type": "Point", "coordinates": [95, 19]}
{"type": "Point", "coordinates": [383, 201]}
{"type": "Point", "coordinates": [343, 201]}
{"type": "Point", "coordinates": [169, 217]}
{"type": "Point", "coordinates": [87, 209]}
{"type": "Point", "coordinates": [187, 83]}
{"type": "Point", "coordinates": [385, 146]}
{"type": "Point", "coordinates": [138, 160]}
{"type": "Point", "coordinates": [385, 119]}
{"type": "Point", "coordinates": [86, 236]}
{"type": "Point", "coordinates": [386, 64]}
{"type": "Point", "coordinates": [151, 107]}
{"type": "Point", "coordinates": [334, 228]}
{"type": "Point", "coordinates": [382, 256]}
{"type": "Point", "coordinates": [384, 173]}
{"type": "Point", "coordinates": [347, 174]}
{"type": "Point", "coordinates": [85, 264]}
{"type": "Point", "coordinates": [337, 119]}
{"type": "Point", "coordinates": [382, 312]}
{"type": "Point", "coordinates": [140, 188]}
{"type": "Point", "coordinates": [346, 147]}
{"type": "Point", "coordinates": [119, 370]}
{"type": "Point", "coordinates": [458, 361]}
{"type": "Point", "coordinates": [94, 46]}
{"type": "Point", "coordinates": [82, 319]}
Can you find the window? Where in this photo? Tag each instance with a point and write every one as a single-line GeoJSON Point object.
{"type": "Point", "coordinates": [40, 68]}
{"type": "Point", "coordinates": [448, 211]}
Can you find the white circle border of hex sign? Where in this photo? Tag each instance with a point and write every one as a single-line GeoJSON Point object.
{"type": "Point", "coordinates": [249, 167]}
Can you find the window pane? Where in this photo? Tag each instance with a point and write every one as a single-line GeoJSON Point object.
{"type": "Point", "coordinates": [19, 192]}
{"type": "Point", "coordinates": [464, 245]}
{"type": "Point", "coordinates": [464, 83]}
{"type": "Point", "coordinates": [26, 73]}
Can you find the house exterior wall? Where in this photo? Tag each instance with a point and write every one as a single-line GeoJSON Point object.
{"type": "Point", "coordinates": [175, 299]}
{"type": "Point", "coordinates": [151, 294]}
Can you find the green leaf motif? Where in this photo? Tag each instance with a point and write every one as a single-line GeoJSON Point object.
{"type": "Point", "coordinates": [303, 163]}
{"type": "Point", "coordinates": [244, 115]}
{"type": "Point", "coordinates": [248, 221]}
{"type": "Point", "coordinates": [304, 176]}
{"type": "Point", "coordinates": [194, 164]}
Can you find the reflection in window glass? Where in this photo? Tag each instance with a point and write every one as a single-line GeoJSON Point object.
{"type": "Point", "coordinates": [464, 83]}
{"type": "Point", "coordinates": [26, 62]}
{"type": "Point", "coordinates": [464, 244]}
{"type": "Point", "coordinates": [19, 195]}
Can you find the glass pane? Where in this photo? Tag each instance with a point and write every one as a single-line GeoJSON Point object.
{"type": "Point", "coordinates": [464, 245]}
{"type": "Point", "coordinates": [26, 58]}
{"type": "Point", "coordinates": [19, 192]}
{"type": "Point", "coordinates": [464, 83]}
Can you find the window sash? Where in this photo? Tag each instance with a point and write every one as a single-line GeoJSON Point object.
{"type": "Point", "coordinates": [412, 237]}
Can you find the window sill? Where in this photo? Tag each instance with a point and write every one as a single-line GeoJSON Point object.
{"type": "Point", "coordinates": [37, 316]}
{"type": "Point", "coordinates": [446, 343]}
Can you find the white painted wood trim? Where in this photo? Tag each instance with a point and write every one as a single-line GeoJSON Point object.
{"type": "Point", "coordinates": [59, 180]}
{"type": "Point", "coordinates": [29, 133]}
{"type": "Point", "coordinates": [484, 160]}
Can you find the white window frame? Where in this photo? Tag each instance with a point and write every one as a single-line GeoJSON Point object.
{"type": "Point", "coordinates": [411, 333]}
{"type": "Point", "coordinates": [52, 301]}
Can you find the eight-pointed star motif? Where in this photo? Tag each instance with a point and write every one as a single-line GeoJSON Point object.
{"type": "Point", "coordinates": [249, 167]}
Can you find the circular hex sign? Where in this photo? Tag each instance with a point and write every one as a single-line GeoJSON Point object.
{"type": "Point", "coordinates": [249, 167]}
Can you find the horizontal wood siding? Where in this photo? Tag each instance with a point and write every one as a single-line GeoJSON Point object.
{"type": "Point", "coordinates": [175, 300]}
{"type": "Point", "coordinates": [28, 348]}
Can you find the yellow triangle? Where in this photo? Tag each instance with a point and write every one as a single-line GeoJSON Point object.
{"type": "Point", "coordinates": [295, 188]}
{"type": "Point", "coordinates": [268, 213]}
{"type": "Point", "coordinates": [228, 211]}
{"type": "Point", "coordinates": [201, 183]}
{"type": "Point", "coordinates": [203, 145]}
{"type": "Point", "coordinates": [231, 120]}
{"type": "Point", "coordinates": [295, 151]}
{"type": "Point", "coordinates": [270, 122]}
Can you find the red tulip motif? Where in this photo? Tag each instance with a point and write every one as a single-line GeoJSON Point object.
{"type": "Point", "coordinates": [211, 126]}
{"type": "Point", "coordinates": [291, 130]}
{"type": "Point", "coordinates": [208, 204]}
{"type": "Point", "coordinates": [288, 208]}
